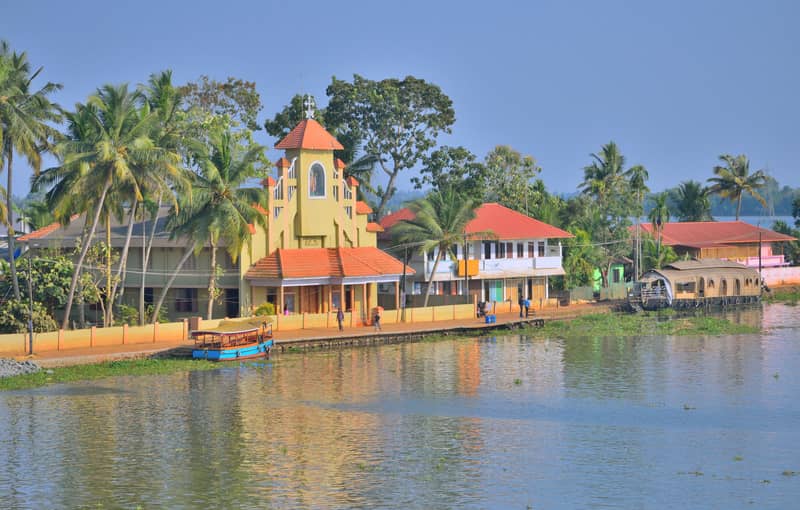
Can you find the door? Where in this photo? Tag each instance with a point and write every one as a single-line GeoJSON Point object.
{"type": "Point", "coordinates": [231, 302]}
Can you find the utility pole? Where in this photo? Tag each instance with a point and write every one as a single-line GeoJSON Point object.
{"type": "Point", "coordinates": [403, 287]}
{"type": "Point", "coordinates": [760, 278]}
{"type": "Point", "coordinates": [30, 305]}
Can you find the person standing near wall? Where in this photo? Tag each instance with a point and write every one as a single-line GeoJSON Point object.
{"type": "Point", "coordinates": [340, 318]}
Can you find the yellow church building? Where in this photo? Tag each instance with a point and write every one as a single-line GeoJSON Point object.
{"type": "Point", "coordinates": [318, 251]}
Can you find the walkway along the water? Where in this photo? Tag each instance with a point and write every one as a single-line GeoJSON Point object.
{"type": "Point", "coordinates": [318, 338]}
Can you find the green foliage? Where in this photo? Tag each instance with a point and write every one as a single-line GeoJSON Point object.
{"type": "Point", "coordinates": [126, 314]}
{"type": "Point", "coordinates": [51, 277]}
{"type": "Point", "coordinates": [162, 314]}
{"type": "Point", "coordinates": [456, 168]}
{"type": "Point", "coordinates": [733, 179]}
{"type": "Point", "coordinates": [692, 202]}
{"type": "Point", "coordinates": [508, 177]}
{"type": "Point", "coordinates": [396, 120]}
{"type": "Point", "coordinates": [290, 116]}
{"type": "Point", "coordinates": [234, 98]}
{"type": "Point", "coordinates": [78, 373]}
{"type": "Point", "coordinates": [580, 259]}
{"type": "Point", "coordinates": [265, 308]}
{"type": "Point", "coordinates": [791, 250]}
{"type": "Point", "coordinates": [14, 316]}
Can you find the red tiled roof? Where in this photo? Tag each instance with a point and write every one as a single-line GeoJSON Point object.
{"type": "Point", "coordinates": [505, 223]}
{"type": "Point", "coordinates": [374, 227]}
{"type": "Point", "coordinates": [309, 134]}
{"type": "Point", "coordinates": [363, 208]}
{"type": "Point", "coordinates": [339, 164]}
{"type": "Point", "coordinates": [44, 231]}
{"type": "Point", "coordinates": [326, 262]}
{"type": "Point", "coordinates": [268, 182]}
{"type": "Point", "coordinates": [704, 234]}
{"type": "Point", "coordinates": [283, 163]}
{"type": "Point", "coordinates": [352, 181]}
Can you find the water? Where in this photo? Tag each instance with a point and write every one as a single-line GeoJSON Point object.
{"type": "Point", "coordinates": [503, 422]}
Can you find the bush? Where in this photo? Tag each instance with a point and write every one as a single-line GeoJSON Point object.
{"type": "Point", "coordinates": [126, 314]}
{"type": "Point", "coordinates": [162, 314]}
{"type": "Point", "coordinates": [264, 309]}
{"type": "Point", "coordinates": [14, 316]}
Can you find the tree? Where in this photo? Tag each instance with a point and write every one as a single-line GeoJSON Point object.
{"type": "Point", "coordinates": [24, 129]}
{"type": "Point", "coordinates": [109, 138]}
{"type": "Point", "coordinates": [692, 202]}
{"type": "Point", "coordinates": [291, 115]}
{"type": "Point", "coordinates": [396, 120]}
{"type": "Point", "coordinates": [453, 167]}
{"type": "Point", "coordinates": [438, 224]}
{"type": "Point", "coordinates": [235, 99]}
{"type": "Point", "coordinates": [733, 179]}
{"type": "Point", "coordinates": [637, 181]}
{"type": "Point", "coordinates": [218, 210]}
{"type": "Point", "coordinates": [604, 178]}
{"type": "Point", "coordinates": [51, 276]}
{"type": "Point", "coordinates": [36, 213]}
{"type": "Point", "coordinates": [659, 215]}
{"type": "Point", "coordinates": [508, 177]}
{"type": "Point", "coordinates": [580, 259]}
{"type": "Point", "coordinates": [656, 256]}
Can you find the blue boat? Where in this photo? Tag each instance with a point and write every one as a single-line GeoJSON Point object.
{"type": "Point", "coordinates": [233, 342]}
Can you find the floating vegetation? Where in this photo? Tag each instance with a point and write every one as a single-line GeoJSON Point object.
{"type": "Point", "coordinates": [738, 458]}
{"type": "Point", "coordinates": [790, 473]}
{"type": "Point", "coordinates": [786, 295]}
{"type": "Point", "coordinates": [517, 381]}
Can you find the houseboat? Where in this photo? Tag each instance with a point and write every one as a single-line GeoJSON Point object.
{"type": "Point", "coordinates": [233, 341]}
{"type": "Point", "coordinates": [696, 283]}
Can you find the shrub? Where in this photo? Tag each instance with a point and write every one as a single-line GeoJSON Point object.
{"type": "Point", "coordinates": [265, 309]}
{"type": "Point", "coordinates": [14, 316]}
{"type": "Point", "coordinates": [126, 314]}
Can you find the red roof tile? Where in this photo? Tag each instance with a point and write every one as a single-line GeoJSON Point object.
{"type": "Point", "coordinates": [505, 223]}
{"type": "Point", "coordinates": [363, 208]}
{"type": "Point", "coordinates": [269, 182]}
{"type": "Point", "coordinates": [352, 181]}
{"type": "Point", "coordinates": [326, 262]}
{"type": "Point", "coordinates": [309, 134]}
{"type": "Point", "coordinates": [374, 227]}
{"type": "Point", "coordinates": [283, 163]}
{"type": "Point", "coordinates": [339, 164]}
{"type": "Point", "coordinates": [44, 231]}
{"type": "Point", "coordinates": [705, 234]}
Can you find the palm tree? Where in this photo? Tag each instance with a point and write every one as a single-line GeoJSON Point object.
{"type": "Point", "coordinates": [218, 211]}
{"type": "Point", "coordinates": [24, 115]}
{"type": "Point", "coordinates": [603, 178]}
{"type": "Point", "coordinates": [438, 224]}
{"type": "Point", "coordinates": [659, 215]}
{"type": "Point", "coordinates": [734, 179]}
{"type": "Point", "coordinates": [692, 202]}
{"type": "Point", "coordinates": [637, 181]}
{"type": "Point", "coordinates": [109, 139]}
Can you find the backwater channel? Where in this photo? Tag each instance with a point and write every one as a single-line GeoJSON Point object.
{"type": "Point", "coordinates": [495, 422]}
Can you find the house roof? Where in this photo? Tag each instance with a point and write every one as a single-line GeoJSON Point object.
{"type": "Point", "coordinates": [705, 234]}
{"type": "Point", "coordinates": [326, 262]}
{"type": "Point", "coordinates": [363, 208]}
{"type": "Point", "coordinates": [309, 134]}
{"type": "Point", "coordinates": [505, 223]}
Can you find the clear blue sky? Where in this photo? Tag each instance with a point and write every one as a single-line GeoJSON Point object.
{"type": "Point", "coordinates": [674, 83]}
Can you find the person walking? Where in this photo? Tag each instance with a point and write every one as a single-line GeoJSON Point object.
{"type": "Point", "coordinates": [521, 305]}
{"type": "Point", "coordinates": [340, 318]}
{"type": "Point", "coordinates": [376, 320]}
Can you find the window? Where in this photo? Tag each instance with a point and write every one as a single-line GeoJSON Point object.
{"type": "Point", "coordinates": [520, 250]}
{"type": "Point", "coordinates": [541, 248]}
{"type": "Point", "coordinates": [510, 250]}
{"type": "Point", "coordinates": [531, 248]}
{"type": "Point", "coordinates": [487, 250]}
{"type": "Point", "coordinates": [430, 255]}
{"type": "Point", "coordinates": [316, 181]}
{"type": "Point", "coordinates": [148, 295]}
{"type": "Point", "coordinates": [185, 300]}
{"type": "Point", "coordinates": [500, 250]}
{"type": "Point", "coordinates": [684, 286]}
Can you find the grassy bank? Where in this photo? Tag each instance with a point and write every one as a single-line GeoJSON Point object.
{"type": "Point", "coordinates": [642, 324]}
{"type": "Point", "coordinates": [788, 295]}
{"type": "Point", "coordinates": [76, 373]}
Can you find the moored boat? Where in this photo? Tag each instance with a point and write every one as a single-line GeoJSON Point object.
{"type": "Point", "coordinates": [233, 342]}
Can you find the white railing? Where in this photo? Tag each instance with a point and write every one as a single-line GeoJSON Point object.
{"type": "Point", "coordinates": [292, 173]}
{"type": "Point", "coordinates": [520, 264]}
{"type": "Point", "coordinates": [290, 191]}
{"type": "Point", "coordinates": [277, 193]}
{"type": "Point", "coordinates": [348, 193]}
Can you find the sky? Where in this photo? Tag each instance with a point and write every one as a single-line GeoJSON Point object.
{"type": "Point", "coordinates": [674, 84]}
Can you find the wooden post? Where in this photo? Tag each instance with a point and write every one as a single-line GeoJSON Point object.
{"type": "Point", "coordinates": [185, 332]}
{"type": "Point", "coordinates": [91, 336]}
{"type": "Point", "coordinates": [124, 333]}
{"type": "Point", "coordinates": [60, 339]}
{"type": "Point", "coordinates": [155, 331]}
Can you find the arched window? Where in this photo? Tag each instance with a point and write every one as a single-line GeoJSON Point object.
{"type": "Point", "coordinates": [316, 181]}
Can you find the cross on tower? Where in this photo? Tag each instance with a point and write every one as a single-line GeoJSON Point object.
{"type": "Point", "coordinates": [309, 104]}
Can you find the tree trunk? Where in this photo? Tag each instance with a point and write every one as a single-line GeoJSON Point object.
{"type": "Point", "coordinates": [212, 281]}
{"type": "Point", "coordinates": [738, 205]}
{"type": "Point", "coordinates": [386, 196]}
{"type": "Point", "coordinates": [430, 280]}
{"type": "Point", "coordinates": [146, 257]}
{"type": "Point", "coordinates": [123, 260]}
{"type": "Point", "coordinates": [107, 305]}
{"type": "Point", "coordinates": [163, 294]}
{"type": "Point", "coordinates": [85, 248]}
{"type": "Point", "coordinates": [11, 241]}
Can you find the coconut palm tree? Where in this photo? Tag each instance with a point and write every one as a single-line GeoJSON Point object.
{"type": "Point", "coordinates": [218, 210]}
{"type": "Point", "coordinates": [24, 129]}
{"type": "Point", "coordinates": [438, 224]}
{"type": "Point", "coordinates": [659, 215]}
{"type": "Point", "coordinates": [109, 140]}
{"type": "Point", "coordinates": [692, 202]}
{"type": "Point", "coordinates": [733, 179]}
{"type": "Point", "coordinates": [603, 178]}
{"type": "Point", "coordinates": [637, 181]}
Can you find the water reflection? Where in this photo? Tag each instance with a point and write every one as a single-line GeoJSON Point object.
{"type": "Point", "coordinates": [473, 423]}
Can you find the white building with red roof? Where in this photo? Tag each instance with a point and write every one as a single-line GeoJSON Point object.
{"type": "Point", "coordinates": [514, 262]}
